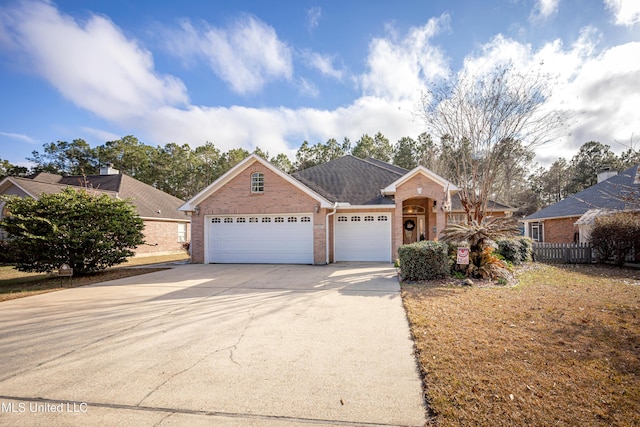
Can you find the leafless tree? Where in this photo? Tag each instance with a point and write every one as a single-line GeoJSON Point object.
{"type": "Point", "coordinates": [486, 120]}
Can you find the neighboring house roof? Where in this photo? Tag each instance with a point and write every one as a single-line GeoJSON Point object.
{"type": "Point", "coordinates": [150, 203]}
{"type": "Point", "coordinates": [351, 180]}
{"type": "Point", "coordinates": [609, 194]}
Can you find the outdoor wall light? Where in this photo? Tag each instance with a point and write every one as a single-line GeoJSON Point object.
{"type": "Point", "coordinates": [317, 208]}
{"type": "Point", "coordinates": [197, 210]}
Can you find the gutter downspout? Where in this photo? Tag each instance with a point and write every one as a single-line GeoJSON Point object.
{"type": "Point", "coordinates": [335, 208]}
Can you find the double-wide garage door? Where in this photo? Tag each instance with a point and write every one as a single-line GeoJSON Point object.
{"type": "Point", "coordinates": [363, 237]}
{"type": "Point", "coordinates": [260, 239]}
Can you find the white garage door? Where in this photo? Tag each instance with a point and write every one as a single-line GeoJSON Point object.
{"type": "Point", "coordinates": [260, 239]}
{"type": "Point", "coordinates": [363, 237]}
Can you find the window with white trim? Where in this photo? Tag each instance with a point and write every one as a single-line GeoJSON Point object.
{"type": "Point", "coordinates": [292, 219]}
{"type": "Point", "coordinates": [215, 220]}
{"type": "Point", "coordinates": [355, 218]}
{"type": "Point", "coordinates": [342, 219]}
{"type": "Point", "coordinates": [368, 218]}
{"type": "Point", "coordinates": [305, 219]}
{"type": "Point", "coordinates": [266, 219]}
{"type": "Point", "coordinates": [182, 233]}
{"type": "Point", "coordinates": [382, 218]}
{"type": "Point", "coordinates": [537, 232]}
{"type": "Point", "coordinates": [228, 220]}
{"type": "Point", "coordinates": [279, 219]}
{"type": "Point", "coordinates": [253, 219]}
{"type": "Point", "coordinates": [241, 220]}
{"type": "Point", "coordinates": [257, 182]}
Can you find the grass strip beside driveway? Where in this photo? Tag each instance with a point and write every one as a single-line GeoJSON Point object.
{"type": "Point", "coordinates": [15, 284]}
{"type": "Point", "coordinates": [561, 348]}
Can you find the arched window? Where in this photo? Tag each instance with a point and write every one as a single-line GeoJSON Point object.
{"type": "Point", "coordinates": [257, 182]}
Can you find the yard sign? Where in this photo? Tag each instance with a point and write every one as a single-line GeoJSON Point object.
{"type": "Point", "coordinates": [463, 256]}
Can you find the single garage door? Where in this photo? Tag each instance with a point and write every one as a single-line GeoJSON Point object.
{"type": "Point", "coordinates": [363, 237]}
{"type": "Point", "coordinates": [260, 239]}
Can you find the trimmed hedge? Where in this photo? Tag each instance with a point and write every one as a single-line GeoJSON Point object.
{"type": "Point", "coordinates": [516, 251]}
{"type": "Point", "coordinates": [424, 260]}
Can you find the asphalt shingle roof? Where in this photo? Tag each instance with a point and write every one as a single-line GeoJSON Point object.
{"type": "Point", "coordinates": [608, 194]}
{"type": "Point", "coordinates": [351, 180]}
{"type": "Point", "coordinates": [359, 181]}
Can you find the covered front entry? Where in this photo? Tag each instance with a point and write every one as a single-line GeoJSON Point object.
{"type": "Point", "coordinates": [363, 236]}
{"type": "Point", "coordinates": [416, 217]}
{"type": "Point", "coordinates": [260, 239]}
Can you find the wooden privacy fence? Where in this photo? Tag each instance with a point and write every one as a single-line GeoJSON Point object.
{"type": "Point", "coordinates": [575, 253]}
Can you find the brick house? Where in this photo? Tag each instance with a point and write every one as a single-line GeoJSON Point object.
{"type": "Point", "coordinates": [166, 229]}
{"type": "Point", "coordinates": [349, 209]}
{"type": "Point", "coordinates": [570, 220]}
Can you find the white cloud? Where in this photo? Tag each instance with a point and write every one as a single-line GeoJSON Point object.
{"type": "Point", "coordinates": [322, 63]}
{"type": "Point", "coordinates": [399, 69]}
{"type": "Point", "coordinates": [313, 17]}
{"type": "Point", "coordinates": [246, 55]}
{"type": "Point", "coordinates": [100, 134]}
{"type": "Point", "coordinates": [597, 89]}
{"type": "Point", "coordinates": [280, 130]}
{"type": "Point", "coordinates": [544, 9]}
{"type": "Point", "coordinates": [625, 12]}
{"type": "Point", "coordinates": [19, 136]}
{"type": "Point", "coordinates": [307, 88]}
{"type": "Point", "coordinates": [90, 63]}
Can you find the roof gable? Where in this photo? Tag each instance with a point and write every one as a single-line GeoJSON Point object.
{"type": "Point", "coordinates": [608, 194]}
{"type": "Point", "coordinates": [190, 205]}
{"type": "Point", "coordinates": [391, 188]}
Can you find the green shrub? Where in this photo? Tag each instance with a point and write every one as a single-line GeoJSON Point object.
{"type": "Point", "coordinates": [87, 231]}
{"type": "Point", "coordinates": [424, 260]}
{"type": "Point", "coordinates": [516, 250]}
{"type": "Point", "coordinates": [510, 250]}
{"type": "Point", "coordinates": [526, 249]}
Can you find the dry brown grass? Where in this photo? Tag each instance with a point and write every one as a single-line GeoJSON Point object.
{"type": "Point", "coordinates": [15, 284]}
{"type": "Point", "coordinates": [561, 348]}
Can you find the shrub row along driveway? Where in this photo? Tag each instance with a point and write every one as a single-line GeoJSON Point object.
{"type": "Point", "coordinates": [214, 344]}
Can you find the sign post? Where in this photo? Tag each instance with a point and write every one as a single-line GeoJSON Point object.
{"type": "Point", "coordinates": [66, 270]}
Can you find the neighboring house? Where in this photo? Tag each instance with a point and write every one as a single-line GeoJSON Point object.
{"type": "Point", "coordinates": [166, 229]}
{"type": "Point", "coordinates": [349, 209]}
{"type": "Point", "coordinates": [570, 220]}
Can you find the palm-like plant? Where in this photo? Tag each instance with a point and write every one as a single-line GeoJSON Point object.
{"type": "Point", "coordinates": [479, 236]}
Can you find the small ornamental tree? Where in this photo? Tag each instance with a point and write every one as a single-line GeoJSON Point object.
{"type": "Point", "coordinates": [480, 236]}
{"type": "Point", "coordinates": [88, 232]}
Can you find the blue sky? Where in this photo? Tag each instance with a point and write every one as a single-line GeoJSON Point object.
{"type": "Point", "coordinates": [275, 73]}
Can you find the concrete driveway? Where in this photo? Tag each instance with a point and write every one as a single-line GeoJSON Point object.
{"type": "Point", "coordinates": [228, 345]}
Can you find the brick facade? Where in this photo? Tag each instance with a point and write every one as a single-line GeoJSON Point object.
{"type": "Point", "coordinates": [279, 196]}
{"type": "Point", "coordinates": [161, 238]}
{"type": "Point", "coordinates": [560, 230]}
